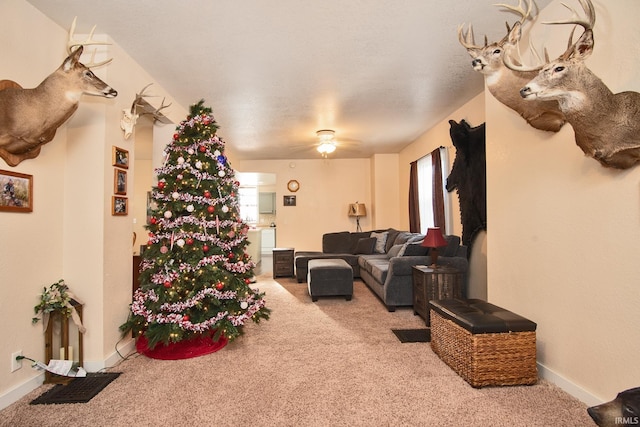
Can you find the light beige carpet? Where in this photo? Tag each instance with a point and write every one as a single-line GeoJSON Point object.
{"type": "Point", "coordinates": [329, 363]}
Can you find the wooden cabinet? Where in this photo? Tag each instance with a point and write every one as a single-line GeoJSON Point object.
{"type": "Point", "coordinates": [283, 262]}
{"type": "Point", "coordinates": [441, 282]}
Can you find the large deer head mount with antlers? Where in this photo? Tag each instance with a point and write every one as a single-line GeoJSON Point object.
{"type": "Point", "coordinates": [504, 83]}
{"type": "Point", "coordinates": [140, 107]}
{"type": "Point", "coordinates": [29, 118]}
{"type": "Point", "coordinates": [605, 124]}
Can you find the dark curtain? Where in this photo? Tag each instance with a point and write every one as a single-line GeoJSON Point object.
{"type": "Point", "coordinates": [438, 197]}
{"type": "Point", "coordinates": [414, 207]}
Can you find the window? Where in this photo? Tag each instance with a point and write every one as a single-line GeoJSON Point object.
{"type": "Point", "coordinates": [425, 187]}
{"type": "Point", "coordinates": [248, 201]}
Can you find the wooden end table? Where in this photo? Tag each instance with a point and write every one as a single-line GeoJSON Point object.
{"type": "Point", "coordinates": [429, 283]}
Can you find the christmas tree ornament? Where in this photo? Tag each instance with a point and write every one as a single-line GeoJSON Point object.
{"type": "Point", "coordinates": [244, 305]}
{"type": "Point", "coordinates": [161, 185]}
{"type": "Point", "coordinates": [175, 195]}
{"type": "Point", "coordinates": [198, 165]}
{"type": "Point", "coordinates": [180, 160]}
{"type": "Point", "coordinates": [211, 209]}
{"type": "Point", "coordinates": [190, 208]}
{"type": "Point", "coordinates": [225, 208]}
{"type": "Point", "coordinates": [180, 242]}
{"type": "Point", "coordinates": [168, 214]}
{"type": "Point", "coordinates": [164, 249]}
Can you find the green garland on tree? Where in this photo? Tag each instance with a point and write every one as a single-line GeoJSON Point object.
{"type": "Point", "coordinates": [195, 272]}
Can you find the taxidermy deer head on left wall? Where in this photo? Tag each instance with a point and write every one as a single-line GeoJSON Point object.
{"type": "Point", "coordinates": [29, 118]}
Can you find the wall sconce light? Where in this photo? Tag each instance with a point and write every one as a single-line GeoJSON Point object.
{"type": "Point", "coordinates": [357, 209]}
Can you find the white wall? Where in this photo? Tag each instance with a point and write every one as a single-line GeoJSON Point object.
{"type": "Point", "coordinates": [327, 187]}
{"type": "Point", "coordinates": [564, 231]}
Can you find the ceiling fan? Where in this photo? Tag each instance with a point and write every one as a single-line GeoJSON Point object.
{"type": "Point", "coordinates": [327, 143]}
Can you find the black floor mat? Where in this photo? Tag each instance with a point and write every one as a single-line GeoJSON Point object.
{"type": "Point", "coordinates": [79, 390]}
{"type": "Point", "coordinates": [413, 335]}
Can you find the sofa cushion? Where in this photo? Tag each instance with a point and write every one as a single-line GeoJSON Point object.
{"type": "Point", "coordinates": [365, 246]}
{"type": "Point", "coordinates": [381, 241]}
{"type": "Point", "coordinates": [355, 238]}
{"type": "Point", "coordinates": [414, 249]}
{"type": "Point", "coordinates": [336, 243]}
{"type": "Point", "coordinates": [394, 251]}
{"type": "Point", "coordinates": [365, 261]}
{"type": "Point", "coordinates": [391, 238]}
{"type": "Point", "coordinates": [452, 246]}
{"type": "Point", "coordinates": [379, 269]}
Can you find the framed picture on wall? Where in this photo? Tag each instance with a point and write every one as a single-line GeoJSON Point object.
{"type": "Point", "coordinates": [16, 192]}
{"type": "Point", "coordinates": [120, 157]}
{"type": "Point", "coordinates": [119, 181]}
{"type": "Point", "coordinates": [289, 200]}
{"type": "Point", "coordinates": [119, 205]}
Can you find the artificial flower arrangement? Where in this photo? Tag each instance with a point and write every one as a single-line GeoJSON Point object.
{"type": "Point", "coordinates": [59, 299]}
{"type": "Point", "coordinates": [56, 298]}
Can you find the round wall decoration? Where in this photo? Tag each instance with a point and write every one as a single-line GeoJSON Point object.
{"type": "Point", "coordinates": [293, 185]}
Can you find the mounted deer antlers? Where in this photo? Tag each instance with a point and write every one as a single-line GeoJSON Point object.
{"type": "Point", "coordinates": [30, 117]}
{"type": "Point", "coordinates": [504, 83]}
{"type": "Point", "coordinates": [130, 117]}
{"type": "Point", "coordinates": [606, 125]}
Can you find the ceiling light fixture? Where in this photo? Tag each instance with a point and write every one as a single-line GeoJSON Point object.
{"type": "Point", "coordinates": [327, 142]}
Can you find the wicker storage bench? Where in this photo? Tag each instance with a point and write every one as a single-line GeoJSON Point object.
{"type": "Point", "coordinates": [483, 343]}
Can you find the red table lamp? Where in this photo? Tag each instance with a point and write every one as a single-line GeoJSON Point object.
{"type": "Point", "coordinates": [434, 240]}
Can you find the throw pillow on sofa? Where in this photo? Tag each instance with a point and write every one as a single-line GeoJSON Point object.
{"type": "Point", "coordinates": [413, 249]}
{"type": "Point", "coordinates": [381, 241]}
{"type": "Point", "coordinates": [366, 246]}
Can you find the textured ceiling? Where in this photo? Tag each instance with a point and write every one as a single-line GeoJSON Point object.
{"type": "Point", "coordinates": [378, 72]}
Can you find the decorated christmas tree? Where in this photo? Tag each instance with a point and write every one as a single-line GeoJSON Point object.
{"type": "Point", "coordinates": [195, 274]}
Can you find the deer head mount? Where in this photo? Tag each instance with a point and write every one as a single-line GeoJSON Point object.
{"type": "Point", "coordinates": [605, 124]}
{"type": "Point", "coordinates": [29, 118]}
{"type": "Point", "coordinates": [504, 83]}
{"type": "Point", "coordinates": [140, 107]}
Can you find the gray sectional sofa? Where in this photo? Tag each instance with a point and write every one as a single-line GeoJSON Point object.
{"type": "Point", "coordinates": [383, 260]}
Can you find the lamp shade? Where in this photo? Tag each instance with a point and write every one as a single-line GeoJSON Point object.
{"type": "Point", "coordinates": [357, 209]}
{"type": "Point", "coordinates": [434, 238]}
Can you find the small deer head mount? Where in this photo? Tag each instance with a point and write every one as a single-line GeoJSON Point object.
{"type": "Point", "coordinates": [605, 124]}
{"type": "Point", "coordinates": [504, 83]}
{"type": "Point", "coordinates": [140, 107]}
{"type": "Point", "coordinates": [29, 118]}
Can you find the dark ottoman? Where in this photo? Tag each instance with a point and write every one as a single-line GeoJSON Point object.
{"type": "Point", "coordinates": [329, 277]}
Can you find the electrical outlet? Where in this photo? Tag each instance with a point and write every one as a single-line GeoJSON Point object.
{"type": "Point", "coordinates": [16, 364]}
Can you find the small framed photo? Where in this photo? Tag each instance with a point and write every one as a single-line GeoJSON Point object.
{"type": "Point", "coordinates": [119, 181]}
{"type": "Point", "coordinates": [120, 157]}
{"type": "Point", "coordinates": [289, 200]}
{"type": "Point", "coordinates": [16, 192]}
{"type": "Point", "coordinates": [119, 205]}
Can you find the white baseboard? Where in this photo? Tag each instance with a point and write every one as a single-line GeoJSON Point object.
{"type": "Point", "coordinates": [31, 384]}
{"type": "Point", "coordinates": [21, 390]}
{"type": "Point", "coordinates": [573, 389]}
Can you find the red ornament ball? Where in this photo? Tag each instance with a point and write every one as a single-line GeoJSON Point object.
{"type": "Point", "coordinates": [206, 120]}
{"type": "Point", "coordinates": [153, 220]}
{"type": "Point", "coordinates": [205, 248]}
{"type": "Point", "coordinates": [176, 136]}
{"type": "Point", "coordinates": [167, 284]}
{"type": "Point", "coordinates": [202, 148]}
{"type": "Point", "coordinates": [207, 194]}
{"type": "Point", "coordinates": [231, 255]}
{"type": "Point", "coordinates": [161, 185]}
{"type": "Point", "coordinates": [247, 281]}
{"type": "Point", "coordinates": [219, 286]}
{"type": "Point", "coordinates": [189, 241]}
{"type": "Point", "coordinates": [211, 209]}
{"type": "Point", "coordinates": [185, 318]}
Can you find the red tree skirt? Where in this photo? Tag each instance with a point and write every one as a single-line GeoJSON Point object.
{"type": "Point", "coordinates": [186, 349]}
